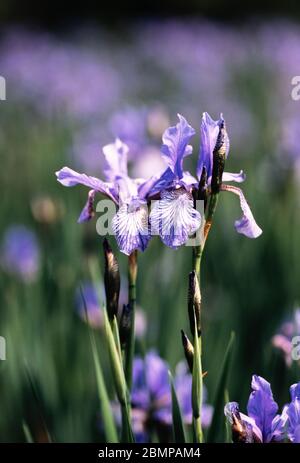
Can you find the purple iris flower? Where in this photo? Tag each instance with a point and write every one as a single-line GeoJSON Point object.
{"type": "Point", "coordinates": [174, 217]}
{"type": "Point", "coordinates": [151, 396]}
{"type": "Point", "coordinates": [20, 253]}
{"type": "Point", "coordinates": [262, 423]}
{"type": "Point", "coordinates": [283, 340]}
{"type": "Point", "coordinates": [291, 414]}
{"type": "Point", "coordinates": [86, 300]}
{"type": "Point", "coordinates": [209, 134]}
{"type": "Point", "coordinates": [130, 223]}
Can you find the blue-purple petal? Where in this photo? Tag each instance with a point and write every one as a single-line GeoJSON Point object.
{"type": "Point", "coordinates": [69, 177]}
{"type": "Point", "coordinates": [116, 159]}
{"type": "Point", "coordinates": [246, 225]}
{"type": "Point", "coordinates": [87, 212]}
{"type": "Point", "coordinates": [175, 145]}
{"type": "Point", "coordinates": [174, 217]}
{"type": "Point", "coordinates": [261, 406]}
{"type": "Point", "coordinates": [209, 134]}
{"type": "Point", "coordinates": [130, 226]}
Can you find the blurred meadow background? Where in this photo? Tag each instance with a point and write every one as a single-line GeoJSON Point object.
{"type": "Point", "coordinates": [69, 93]}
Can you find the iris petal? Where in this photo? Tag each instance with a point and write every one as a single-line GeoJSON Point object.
{"type": "Point", "coordinates": [246, 225]}
{"type": "Point", "coordinates": [174, 218]}
{"type": "Point", "coordinates": [130, 226]}
{"type": "Point", "coordinates": [116, 159]}
{"type": "Point", "coordinates": [87, 212]}
{"type": "Point", "coordinates": [261, 406]}
{"type": "Point", "coordinates": [175, 145]}
{"type": "Point", "coordinates": [69, 177]}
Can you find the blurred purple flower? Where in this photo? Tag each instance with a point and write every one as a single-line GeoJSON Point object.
{"type": "Point", "coordinates": [262, 424]}
{"type": "Point", "coordinates": [283, 340]}
{"type": "Point", "coordinates": [87, 305]}
{"type": "Point", "coordinates": [151, 396]}
{"type": "Point", "coordinates": [20, 253]}
{"type": "Point", "coordinates": [291, 414]}
{"type": "Point", "coordinates": [130, 223]}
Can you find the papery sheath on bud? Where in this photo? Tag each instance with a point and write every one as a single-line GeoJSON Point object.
{"type": "Point", "coordinates": [111, 280]}
{"type": "Point", "coordinates": [188, 350]}
{"type": "Point", "coordinates": [219, 156]}
{"type": "Point", "coordinates": [194, 303]}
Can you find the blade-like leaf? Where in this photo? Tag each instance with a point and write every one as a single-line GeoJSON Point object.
{"type": "Point", "coordinates": [106, 412]}
{"type": "Point", "coordinates": [27, 433]}
{"type": "Point", "coordinates": [217, 431]}
{"type": "Point", "coordinates": [197, 385]}
{"type": "Point", "coordinates": [178, 426]}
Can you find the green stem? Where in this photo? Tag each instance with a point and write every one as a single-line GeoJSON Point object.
{"type": "Point", "coordinates": [129, 355]}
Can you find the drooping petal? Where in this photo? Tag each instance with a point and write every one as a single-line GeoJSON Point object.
{"type": "Point", "coordinates": [293, 412]}
{"type": "Point", "coordinates": [209, 134]}
{"type": "Point", "coordinates": [174, 218]}
{"type": "Point", "coordinates": [238, 177]}
{"type": "Point", "coordinates": [116, 159]}
{"type": "Point", "coordinates": [261, 406]}
{"type": "Point", "coordinates": [69, 177]}
{"type": "Point", "coordinates": [130, 225]}
{"type": "Point", "coordinates": [88, 212]}
{"type": "Point", "coordinates": [175, 145]}
{"type": "Point", "coordinates": [246, 225]}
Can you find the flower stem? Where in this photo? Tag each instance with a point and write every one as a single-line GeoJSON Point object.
{"type": "Point", "coordinates": [132, 276]}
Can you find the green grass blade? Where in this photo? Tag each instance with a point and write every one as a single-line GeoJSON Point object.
{"type": "Point", "coordinates": [27, 433]}
{"type": "Point", "coordinates": [106, 412]}
{"type": "Point", "coordinates": [217, 431]}
{"type": "Point", "coordinates": [178, 426]}
{"type": "Point", "coordinates": [197, 390]}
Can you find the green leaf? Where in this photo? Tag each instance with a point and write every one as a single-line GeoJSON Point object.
{"type": "Point", "coordinates": [106, 412]}
{"type": "Point", "coordinates": [178, 426]}
{"type": "Point", "coordinates": [119, 380]}
{"type": "Point", "coordinates": [217, 431]}
{"type": "Point", "coordinates": [197, 388]}
{"type": "Point", "coordinates": [27, 433]}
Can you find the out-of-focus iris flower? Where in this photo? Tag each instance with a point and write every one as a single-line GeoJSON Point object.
{"type": "Point", "coordinates": [20, 253]}
{"type": "Point", "coordinates": [151, 396]}
{"type": "Point", "coordinates": [262, 423]}
{"type": "Point", "coordinates": [283, 340]}
{"type": "Point", "coordinates": [87, 305]}
{"type": "Point", "coordinates": [130, 223]}
{"type": "Point", "coordinates": [291, 414]}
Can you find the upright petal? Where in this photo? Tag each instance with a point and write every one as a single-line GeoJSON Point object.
{"type": "Point", "coordinates": [156, 371]}
{"type": "Point", "coordinates": [261, 406]}
{"type": "Point", "coordinates": [175, 145]}
{"type": "Point", "coordinates": [174, 217]}
{"type": "Point", "coordinates": [69, 177]}
{"type": "Point", "coordinates": [116, 159]}
{"type": "Point", "coordinates": [209, 134]}
{"type": "Point", "coordinates": [130, 225]}
{"type": "Point", "coordinates": [246, 225]}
